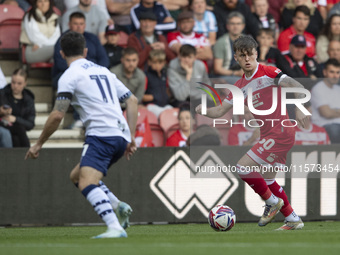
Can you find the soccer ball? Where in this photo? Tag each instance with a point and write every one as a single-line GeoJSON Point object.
{"type": "Point", "coordinates": [222, 218]}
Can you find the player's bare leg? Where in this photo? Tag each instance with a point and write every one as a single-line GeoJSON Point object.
{"type": "Point", "coordinates": [247, 171]}
{"type": "Point", "coordinates": [88, 184]}
{"type": "Point", "coordinates": [123, 210]}
{"type": "Point", "coordinates": [74, 175]}
{"type": "Point", "coordinates": [292, 220]}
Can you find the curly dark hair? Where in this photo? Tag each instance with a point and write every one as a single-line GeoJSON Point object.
{"type": "Point", "coordinates": [245, 43]}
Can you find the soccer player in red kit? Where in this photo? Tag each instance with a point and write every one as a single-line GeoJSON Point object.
{"type": "Point", "coordinates": [275, 140]}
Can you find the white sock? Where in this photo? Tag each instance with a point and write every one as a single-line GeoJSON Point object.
{"type": "Point", "coordinates": [113, 199]}
{"type": "Point", "coordinates": [101, 204]}
{"type": "Point", "coordinates": [272, 200]}
{"type": "Point", "coordinates": [293, 217]}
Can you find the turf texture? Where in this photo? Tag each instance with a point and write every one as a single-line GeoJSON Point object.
{"type": "Point", "coordinates": [244, 238]}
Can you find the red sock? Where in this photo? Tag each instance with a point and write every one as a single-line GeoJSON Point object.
{"type": "Point", "coordinates": [278, 191]}
{"type": "Point", "coordinates": [258, 184]}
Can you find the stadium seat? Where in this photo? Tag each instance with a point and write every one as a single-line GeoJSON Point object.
{"type": "Point", "coordinates": [10, 28]}
{"type": "Point", "coordinates": [200, 119]}
{"type": "Point", "coordinates": [168, 119]}
{"type": "Point", "coordinates": [158, 137]}
{"type": "Point", "coordinates": [223, 129]}
{"type": "Point", "coordinates": [42, 65]}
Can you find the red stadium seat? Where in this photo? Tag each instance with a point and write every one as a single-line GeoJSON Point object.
{"type": "Point", "coordinates": [168, 119]}
{"type": "Point", "coordinates": [158, 138]}
{"type": "Point", "coordinates": [10, 28]}
{"type": "Point", "coordinates": [42, 65]}
{"type": "Point", "coordinates": [223, 128]}
{"type": "Point", "coordinates": [201, 120]}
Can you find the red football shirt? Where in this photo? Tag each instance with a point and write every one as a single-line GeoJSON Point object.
{"type": "Point", "coordinates": [195, 39]}
{"type": "Point", "coordinates": [287, 35]}
{"type": "Point", "coordinates": [177, 139]}
{"type": "Point", "coordinates": [262, 83]}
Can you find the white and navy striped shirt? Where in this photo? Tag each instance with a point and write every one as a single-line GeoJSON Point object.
{"type": "Point", "coordinates": [207, 24]}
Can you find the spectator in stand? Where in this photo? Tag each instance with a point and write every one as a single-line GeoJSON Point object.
{"type": "Point", "coordinates": [186, 35]}
{"type": "Point", "coordinates": [96, 52]}
{"type": "Point", "coordinates": [100, 3]}
{"type": "Point", "coordinates": [275, 8]}
{"type": "Point", "coordinates": [20, 102]}
{"type": "Point", "coordinates": [40, 31]}
{"type": "Point", "coordinates": [299, 64]}
{"type": "Point", "coordinates": [96, 22]}
{"type": "Point", "coordinates": [266, 53]}
{"type": "Point", "coordinates": [146, 39]}
{"type": "Point", "coordinates": [311, 134]}
{"type": "Point", "coordinates": [288, 14]}
{"type": "Point", "coordinates": [222, 10]}
{"type": "Point", "coordinates": [300, 22]}
{"type": "Point", "coordinates": [331, 31]}
{"type": "Point", "coordinates": [165, 22]}
{"type": "Point", "coordinates": [120, 13]}
{"type": "Point", "coordinates": [325, 101]}
{"type": "Point", "coordinates": [186, 123]}
{"type": "Point", "coordinates": [334, 49]}
{"type": "Point", "coordinates": [182, 69]}
{"type": "Point", "coordinates": [113, 50]}
{"type": "Point", "coordinates": [175, 6]}
{"type": "Point", "coordinates": [5, 134]}
{"type": "Point", "coordinates": [157, 94]}
{"type": "Point", "coordinates": [225, 66]}
{"type": "Point", "coordinates": [264, 19]}
{"type": "Point", "coordinates": [129, 74]}
{"type": "Point", "coordinates": [205, 21]}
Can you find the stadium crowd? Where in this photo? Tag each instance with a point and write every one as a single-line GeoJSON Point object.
{"type": "Point", "coordinates": [156, 48]}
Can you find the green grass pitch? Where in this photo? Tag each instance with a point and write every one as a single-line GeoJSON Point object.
{"type": "Point", "coordinates": [245, 238]}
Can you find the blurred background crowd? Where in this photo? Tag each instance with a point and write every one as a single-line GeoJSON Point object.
{"type": "Point", "coordinates": [157, 48]}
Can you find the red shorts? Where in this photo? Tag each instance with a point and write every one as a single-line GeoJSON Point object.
{"type": "Point", "coordinates": [271, 151]}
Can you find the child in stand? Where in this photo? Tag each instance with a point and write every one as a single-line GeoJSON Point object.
{"type": "Point", "coordinates": [157, 93]}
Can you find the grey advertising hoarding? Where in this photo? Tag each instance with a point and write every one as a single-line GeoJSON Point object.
{"type": "Point", "coordinates": [161, 186]}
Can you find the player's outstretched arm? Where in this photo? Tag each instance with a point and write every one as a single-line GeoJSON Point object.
{"type": "Point", "coordinates": [217, 111]}
{"type": "Point", "coordinates": [131, 115]}
{"type": "Point", "coordinates": [50, 127]}
{"type": "Point", "coordinates": [287, 81]}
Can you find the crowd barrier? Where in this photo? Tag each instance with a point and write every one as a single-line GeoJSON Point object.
{"type": "Point", "coordinates": [162, 185]}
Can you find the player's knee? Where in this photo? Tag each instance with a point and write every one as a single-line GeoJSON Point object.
{"type": "Point", "coordinates": [74, 177]}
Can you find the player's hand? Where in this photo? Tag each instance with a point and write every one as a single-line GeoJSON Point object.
{"type": "Point", "coordinates": [33, 152]}
{"type": "Point", "coordinates": [130, 149]}
{"type": "Point", "coordinates": [301, 118]}
{"type": "Point", "coordinates": [198, 109]}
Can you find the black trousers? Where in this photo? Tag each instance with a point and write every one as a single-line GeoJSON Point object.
{"type": "Point", "coordinates": [19, 136]}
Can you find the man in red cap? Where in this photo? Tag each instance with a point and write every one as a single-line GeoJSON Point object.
{"type": "Point", "coordinates": [300, 64]}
